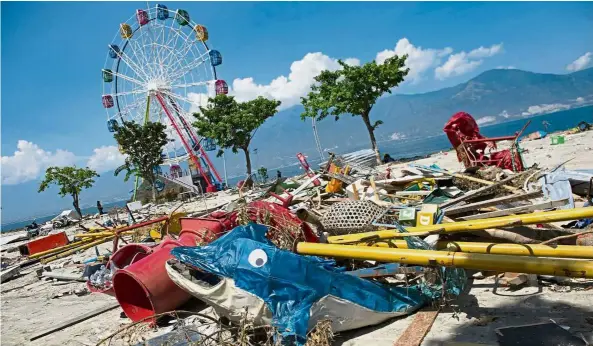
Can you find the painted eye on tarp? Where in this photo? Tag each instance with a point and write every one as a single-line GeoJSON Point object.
{"type": "Point", "coordinates": [258, 258]}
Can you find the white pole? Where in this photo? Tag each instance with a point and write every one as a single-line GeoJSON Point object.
{"type": "Point", "coordinates": [317, 141]}
{"type": "Point", "coordinates": [224, 168]}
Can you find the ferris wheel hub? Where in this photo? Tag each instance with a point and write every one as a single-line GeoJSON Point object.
{"type": "Point", "coordinates": [157, 85]}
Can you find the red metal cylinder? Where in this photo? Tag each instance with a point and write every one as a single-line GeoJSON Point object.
{"type": "Point", "coordinates": [122, 258]}
{"type": "Point", "coordinates": [144, 289]}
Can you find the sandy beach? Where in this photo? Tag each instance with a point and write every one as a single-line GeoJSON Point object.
{"type": "Point", "coordinates": [30, 305]}
{"type": "Point", "coordinates": [577, 150]}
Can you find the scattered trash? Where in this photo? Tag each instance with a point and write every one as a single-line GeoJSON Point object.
{"type": "Point", "coordinates": [261, 255]}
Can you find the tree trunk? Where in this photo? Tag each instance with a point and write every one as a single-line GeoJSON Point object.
{"type": "Point", "coordinates": [247, 162]}
{"type": "Point", "coordinates": [151, 179]}
{"type": "Point", "coordinates": [367, 122]}
{"type": "Point", "coordinates": [76, 206]}
{"type": "Point", "coordinates": [249, 180]}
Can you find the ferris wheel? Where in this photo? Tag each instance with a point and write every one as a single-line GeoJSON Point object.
{"type": "Point", "coordinates": [159, 68]}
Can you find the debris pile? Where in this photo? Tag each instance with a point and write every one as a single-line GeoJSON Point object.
{"type": "Point", "coordinates": [345, 246]}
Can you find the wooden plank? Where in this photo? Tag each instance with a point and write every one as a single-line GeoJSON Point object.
{"type": "Point", "coordinates": [412, 193]}
{"type": "Point", "coordinates": [355, 194]}
{"type": "Point", "coordinates": [341, 177]}
{"type": "Point", "coordinates": [481, 190]}
{"type": "Point", "coordinates": [493, 201]}
{"type": "Point", "coordinates": [375, 193]}
{"type": "Point", "coordinates": [63, 276]}
{"type": "Point", "coordinates": [517, 210]}
{"type": "Point", "coordinates": [463, 176]}
{"type": "Point", "coordinates": [417, 330]}
{"type": "Point", "coordinates": [75, 320]}
{"type": "Point", "coordinates": [9, 272]}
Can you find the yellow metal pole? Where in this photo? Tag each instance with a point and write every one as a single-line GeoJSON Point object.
{"type": "Point", "coordinates": [82, 247]}
{"type": "Point", "coordinates": [61, 248]}
{"type": "Point", "coordinates": [501, 263]}
{"type": "Point", "coordinates": [101, 234]}
{"type": "Point", "coordinates": [471, 225]}
{"type": "Point", "coordinates": [561, 251]}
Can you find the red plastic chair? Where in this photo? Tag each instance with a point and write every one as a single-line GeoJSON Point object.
{"type": "Point", "coordinates": [464, 134]}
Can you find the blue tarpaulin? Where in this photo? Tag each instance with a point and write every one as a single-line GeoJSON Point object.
{"type": "Point", "coordinates": [294, 287]}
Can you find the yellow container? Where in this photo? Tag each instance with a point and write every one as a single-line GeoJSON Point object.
{"type": "Point", "coordinates": [424, 218]}
{"type": "Point", "coordinates": [427, 215]}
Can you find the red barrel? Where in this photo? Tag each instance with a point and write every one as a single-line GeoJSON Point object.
{"type": "Point", "coordinates": [122, 258]}
{"type": "Point", "coordinates": [144, 288]}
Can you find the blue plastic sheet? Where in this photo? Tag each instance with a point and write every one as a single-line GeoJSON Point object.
{"type": "Point", "coordinates": [290, 284]}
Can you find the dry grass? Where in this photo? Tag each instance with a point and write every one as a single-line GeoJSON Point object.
{"type": "Point", "coordinates": [283, 232]}
{"type": "Point", "coordinates": [321, 335]}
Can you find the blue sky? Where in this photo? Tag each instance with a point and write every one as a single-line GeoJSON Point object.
{"type": "Point", "coordinates": [52, 55]}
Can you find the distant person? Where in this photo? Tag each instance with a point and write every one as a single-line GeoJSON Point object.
{"type": "Point", "coordinates": [278, 174]}
{"type": "Point", "coordinates": [100, 208]}
{"type": "Point", "coordinates": [34, 224]}
{"type": "Point", "coordinates": [387, 158]}
{"type": "Point", "coordinates": [546, 125]}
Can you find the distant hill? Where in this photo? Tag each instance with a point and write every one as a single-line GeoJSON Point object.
{"type": "Point", "coordinates": [501, 94]}
{"type": "Point", "coordinates": [493, 96]}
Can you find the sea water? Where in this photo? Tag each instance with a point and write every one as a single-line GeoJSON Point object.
{"type": "Point", "coordinates": [43, 219]}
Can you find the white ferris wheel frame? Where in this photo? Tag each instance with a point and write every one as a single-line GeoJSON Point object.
{"type": "Point", "coordinates": [166, 58]}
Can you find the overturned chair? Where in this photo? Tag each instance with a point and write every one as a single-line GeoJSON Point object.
{"type": "Point", "coordinates": [464, 134]}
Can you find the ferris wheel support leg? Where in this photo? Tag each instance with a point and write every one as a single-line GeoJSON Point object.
{"type": "Point", "coordinates": [195, 138]}
{"type": "Point", "coordinates": [210, 187]}
{"type": "Point", "coordinates": [202, 151]}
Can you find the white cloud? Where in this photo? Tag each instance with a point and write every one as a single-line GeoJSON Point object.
{"type": "Point", "coordinates": [288, 90]}
{"type": "Point", "coordinates": [30, 161]}
{"type": "Point", "coordinates": [544, 108]}
{"type": "Point", "coordinates": [352, 62]}
{"type": "Point", "coordinates": [580, 63]}
{"type": "Point", "coordinates": [485, 120]}
{"type": "Point", "coordinates": [419, 59]}
{"type": "Point", "coordinates": [505, 114]}
{"type": "Point", "coordinates": [197, 100]}
{"type": "Point", "coordinates": [484, 52]}
{"type": "Point", "coordinates": [106, 158]}
{"type": "Point", "coordinates": [506, 67]}
{"type": "Point", "coordinates": [396, 136]}
{"type": "Point", "coordinates": [462, 62]}
{"type": "Point", "coordinates": [580, 100]}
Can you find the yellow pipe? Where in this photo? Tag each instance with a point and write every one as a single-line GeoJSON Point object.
{"type": "Point", "coordinates": [561, 251]}
{"type": "Point", "coordinates": [471, 225]}
{"type": "Point", "coordinates": [101, 234]}
{"type": "Point", "coordinates": [96, 229]}
{"type": "Point", "coordinates": [500, 263]}
{"type": "Point", "coordinates": [71, 251]}
{"type": "Point", "coordinates": [58, 249]}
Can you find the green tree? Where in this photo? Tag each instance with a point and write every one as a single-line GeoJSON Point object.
{"type": "Point", "coordinates": [263, 174]}
{"type": "Point", "coordinates": [143, 145]}
{"type": "Point", "coordinates": [233, 124]}
{"type": "Point", "coordinates": [71, 181]}
{"type": "Point", "coordinates": [354, 90]}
